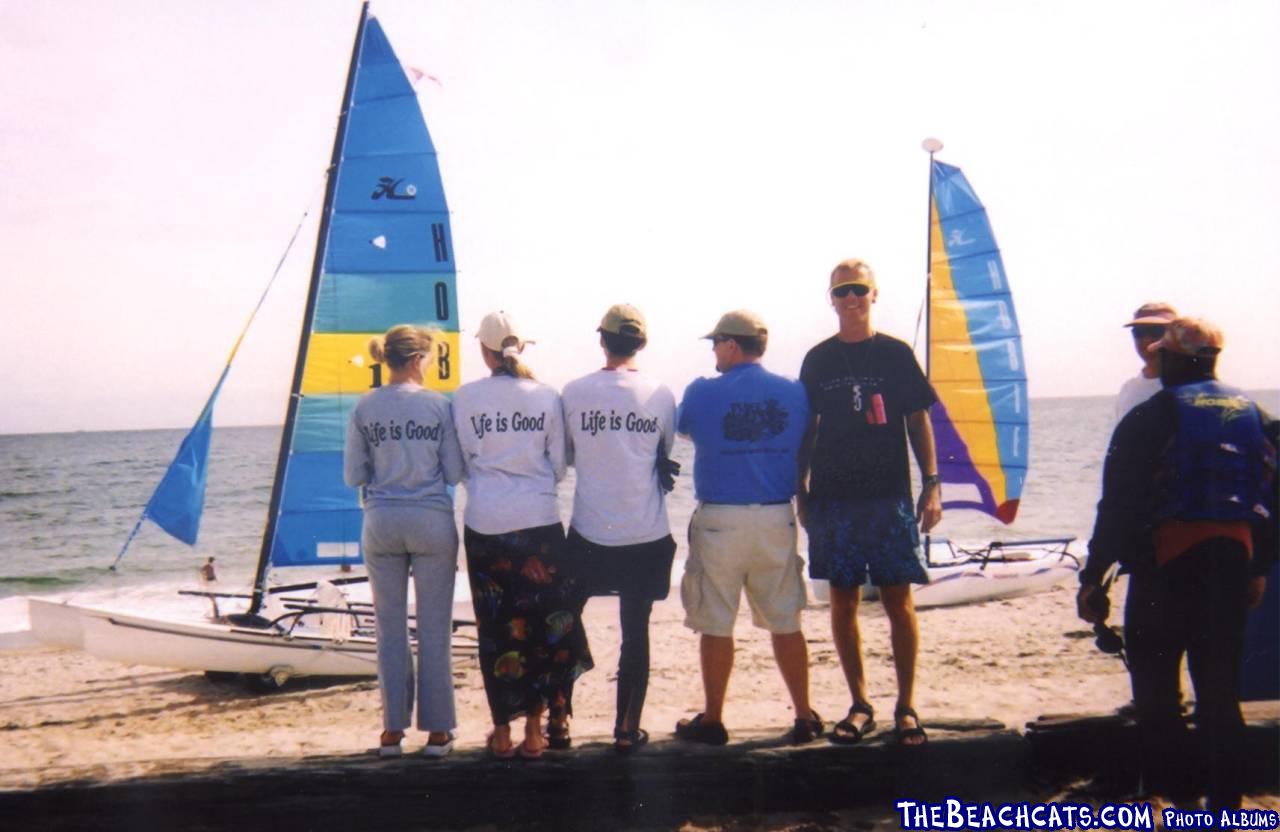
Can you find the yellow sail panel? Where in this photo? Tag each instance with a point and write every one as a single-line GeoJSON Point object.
{"type": "Point", "coordinates": [339, 362]}
{"type": "Point", "coordinates": [954, 369]}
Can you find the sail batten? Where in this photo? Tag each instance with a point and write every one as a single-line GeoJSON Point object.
{"type": "Point", "coordinates": [975, 353]}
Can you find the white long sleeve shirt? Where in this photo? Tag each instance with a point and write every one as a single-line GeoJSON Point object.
{"type": "Point", "coordinates": [512, 436]}
{"type": "Point", "coordinates": [614, 422]}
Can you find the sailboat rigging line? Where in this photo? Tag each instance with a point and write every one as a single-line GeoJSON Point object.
{"type": "Point", "coordinates": [915, 338]}
{"type": "Point", "coordinates": [231, 357]}
{"type": "Point", "coordinates": [308, 318]}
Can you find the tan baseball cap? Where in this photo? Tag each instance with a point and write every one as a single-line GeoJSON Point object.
{"type": "Point", "coordinates": [1195, 337]}
{"type": "Point", "coordinates": [623, 319]}
{"type": "Point", "coordinates": [852, 271]}
{"type": "Point", "coordinates": [497, 327]}
{"type": "Point", "coordinates": [1156, 312]}
{"type": "Point", "coordinates": [739, 322]}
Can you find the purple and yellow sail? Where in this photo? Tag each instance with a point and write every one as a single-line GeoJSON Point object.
{"type": "Point", "coordinates": [975, 360]}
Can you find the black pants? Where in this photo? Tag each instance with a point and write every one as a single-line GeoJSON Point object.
{"type": "Point", "coordinates": [638, 574]}
{"type": "Point", "coordinates": [633, 659]}
{"type": "Point", "coordinates": [1195, 604]}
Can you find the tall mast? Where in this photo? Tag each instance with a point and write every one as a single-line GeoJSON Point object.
{"type": "Point", "coordinates": [931, 146]}
{"type": "Point", "coordinates": [308, 318]}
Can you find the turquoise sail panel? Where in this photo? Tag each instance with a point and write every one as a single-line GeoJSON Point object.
{"type": "Point", "coordinates": [386, 258]}
{"type": "Point", "coordinates": [976, 363]}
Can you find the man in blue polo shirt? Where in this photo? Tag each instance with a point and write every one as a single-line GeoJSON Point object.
{"type": "Point", "coordinates": [746, 426]}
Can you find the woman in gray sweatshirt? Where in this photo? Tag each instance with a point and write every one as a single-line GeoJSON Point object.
{"type": "Point", "coordinates": [402, 452]}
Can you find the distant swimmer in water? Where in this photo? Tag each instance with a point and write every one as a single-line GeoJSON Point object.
{"type": "Point", "coordinates": [207, 572]}
{"type": "Point", "coordinates": [619, 427]}
{"type": "Point", "coordinates": [532, 646]}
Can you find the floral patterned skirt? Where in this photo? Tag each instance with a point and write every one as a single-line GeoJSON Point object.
{"type": "Point", "coordinates": [532, 644]}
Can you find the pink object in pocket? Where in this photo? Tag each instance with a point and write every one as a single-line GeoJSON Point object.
{"type": "Point", "coordinates": [876, 413]}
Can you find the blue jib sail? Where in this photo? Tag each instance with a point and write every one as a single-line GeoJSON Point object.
{"type": "Point", "coordinates": [178, 501]}
{"type": "Point", "coordinates": [385, 257]}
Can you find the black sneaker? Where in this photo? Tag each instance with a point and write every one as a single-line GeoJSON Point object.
{"type": "Point", "coordinates": [703, 731]}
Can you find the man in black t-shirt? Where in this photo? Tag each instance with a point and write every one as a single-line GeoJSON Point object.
{"type": "Point", "coordinates": [867, 399]}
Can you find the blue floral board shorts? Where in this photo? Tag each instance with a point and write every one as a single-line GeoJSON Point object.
{"type": "Point", "coordinates": [850, 537]}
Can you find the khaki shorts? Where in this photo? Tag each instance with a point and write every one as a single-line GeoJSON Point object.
{"type": "Point", "coordinates": [732, 548]}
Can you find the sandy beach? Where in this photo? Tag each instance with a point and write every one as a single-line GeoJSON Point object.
{"type": "Point", "coordinates": [69, 716]}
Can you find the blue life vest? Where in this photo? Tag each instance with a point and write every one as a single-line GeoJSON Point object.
{"type": "Point", "coordinates": [1222, 464]}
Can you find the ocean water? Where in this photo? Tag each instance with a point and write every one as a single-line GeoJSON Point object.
{"type": "Point", "coordinates": [68, 501]}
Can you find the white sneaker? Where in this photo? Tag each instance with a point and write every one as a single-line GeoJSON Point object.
{"type": "Point", "coordinates": [441, 750]}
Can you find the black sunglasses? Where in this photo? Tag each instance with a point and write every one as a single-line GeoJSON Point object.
{"type": "Point", "coordinates": [859, 289]}
{"type": "Point", "coordinates": [1148, 331]}
{"type": "Point", "coordinates": [720, 339]}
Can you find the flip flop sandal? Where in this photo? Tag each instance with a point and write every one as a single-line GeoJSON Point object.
{"type": "Point", "coordinates": [626, 742]}
{"type": "Point", "coordinates": [495, 753]}
{"type": "Point", "coordinates": [902, 734]}
{"type": "Point", "coordinates": [527, 753]}
{"type": "Point", "coordinates": [700, 730]}
{"type": "Point", "coordinates": [846, 733]}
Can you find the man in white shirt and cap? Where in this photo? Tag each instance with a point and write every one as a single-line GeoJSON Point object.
{"type": "Point", "coordinates": [1148, 326]}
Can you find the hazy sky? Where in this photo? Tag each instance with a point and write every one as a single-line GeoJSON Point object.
{"type": "Point", "coordinates": [687, 157]}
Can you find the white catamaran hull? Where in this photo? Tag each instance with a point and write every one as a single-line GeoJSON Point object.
{"type": "Point", "coordinates": [220, 647]}
{"type": "Point", "coordinates": [1012, 574]}
{"type": "Point", "coordinates": [58, 623]}
{"type": "Point", "coordinates": [973, 583]}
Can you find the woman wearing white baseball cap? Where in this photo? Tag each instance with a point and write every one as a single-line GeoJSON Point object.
{"type": "Point", "coordinates": [532, 645]}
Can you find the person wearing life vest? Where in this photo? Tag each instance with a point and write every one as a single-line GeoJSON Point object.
{"type": "Point", "coordinates": [1188, 493]}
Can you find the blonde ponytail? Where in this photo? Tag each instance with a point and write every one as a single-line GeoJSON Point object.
{"type": "Point", "coordinates": [400, 344]}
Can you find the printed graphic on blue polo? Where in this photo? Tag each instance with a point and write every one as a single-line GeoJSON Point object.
{"type": "Point", "coordinates": [754, 421]}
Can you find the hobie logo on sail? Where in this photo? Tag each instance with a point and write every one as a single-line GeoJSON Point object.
{"type": "Point", "coordinates": [387, 187]}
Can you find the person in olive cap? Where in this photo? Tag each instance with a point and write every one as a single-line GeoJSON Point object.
{"type": "Point", "coordinates": [619, 423]}
{"type": "Point", "coordinates": [1188, 509]}
{"type": "Point", "coordinates": [746, 426]}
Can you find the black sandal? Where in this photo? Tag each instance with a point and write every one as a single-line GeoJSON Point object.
{"type": "Point", "coordinates": [846, 733]}
{"type": "Point", "coordinates": [700, 729]}
{"type": "Point", "coordinates": [901, 734]}
{"type": "Point", "coordinates": [626, 742]}
{"type": "Point", "coordinates": [806, 730]}
{"type": "Point", "coordinates": [558, 735]}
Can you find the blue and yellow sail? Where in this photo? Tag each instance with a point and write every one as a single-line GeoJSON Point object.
{"type": "Point", "coordinates": [384, 257]}
{"type": "Point", "coordinates": [975, 355]}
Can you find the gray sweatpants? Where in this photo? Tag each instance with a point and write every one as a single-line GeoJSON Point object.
{"type": "Point", "coordinates": [397, 541]}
